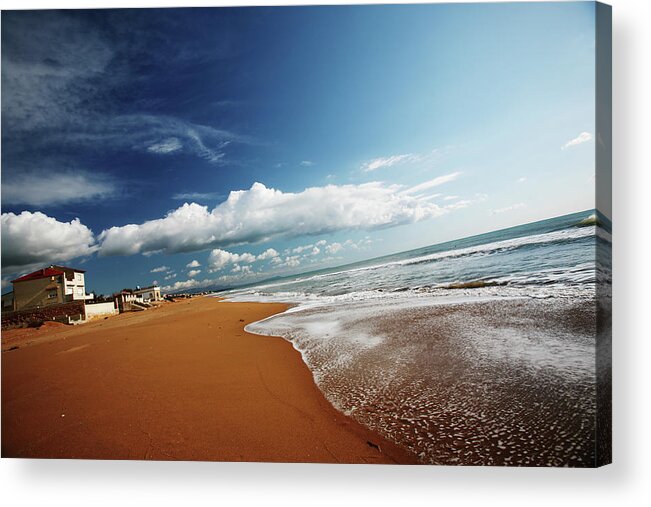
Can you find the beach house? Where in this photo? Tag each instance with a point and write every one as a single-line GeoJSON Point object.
{"type": "Point", "coordinates": [49, 286]}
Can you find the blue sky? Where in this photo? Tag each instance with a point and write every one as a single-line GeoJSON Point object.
{"type": "Point", "coordinates": [214, 147]}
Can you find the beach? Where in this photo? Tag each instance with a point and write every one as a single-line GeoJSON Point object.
{"type": "Point", "coordinates": [180, 382]}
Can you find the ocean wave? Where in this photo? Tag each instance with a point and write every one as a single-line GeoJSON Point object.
{"type": "Point", "coordinates": [561, 236]}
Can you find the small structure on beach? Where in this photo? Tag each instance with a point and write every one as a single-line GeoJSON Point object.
{"type": "Point", "coordinates": [148, 294]}
{"type": "Point", "coordinates": [129, 300]}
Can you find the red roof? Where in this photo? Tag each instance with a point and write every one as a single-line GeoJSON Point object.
{"type": "Point", "coordinates": [58, 266]}
{"type": "Point", "coordinates": [41, 273]}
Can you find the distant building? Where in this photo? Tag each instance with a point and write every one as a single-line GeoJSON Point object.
{"type": "Point", "coordinates": [126, 300]}
{"type": "Point", "coordinates": [8, 302]}
{"type": "Point", "coordinates": [49, 286]}
{"type": "Point", "coordinates": [148, 294]}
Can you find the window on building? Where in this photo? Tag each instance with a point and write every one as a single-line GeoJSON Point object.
{"type": "Point", "coordinates": [80, 291]}
{"type": "Point", "coordinates": [52, 294]}
{"type": "Point", "coordinates": [79, 277]}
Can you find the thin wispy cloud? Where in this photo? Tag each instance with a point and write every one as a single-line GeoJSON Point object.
{"type": "Point", "coordinates": [169, 145]}
{"type": "Point", "coordinates": [583, 137]}
{"type": "Point", "coordinates": [54, 188]}
{"type": "Point", "coordinates": [306, 163]}
{"type": "Point", "coordinates": [380, 162]}
{"type": "Point", "coordinates": [435, 182]}
{"type": "Point", "coordinates": [197, 196]}
{"type": "Point", "coordinates": [62, 80]}
{"type": "Point", "coordinates": [159, 269]}
{"type": "Point", "coordinates": [506, 209]}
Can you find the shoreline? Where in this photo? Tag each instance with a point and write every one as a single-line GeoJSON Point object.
{"type": "Point", "coordinates": [182, 382]}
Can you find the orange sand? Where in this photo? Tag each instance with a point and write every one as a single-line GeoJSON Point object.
{"type": "Point", "coordinates": [179, 382]}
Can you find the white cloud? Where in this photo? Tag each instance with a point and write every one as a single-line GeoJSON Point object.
{"type": "Point", "coordinates": [219, 258]}
{"type": "Point", "coordinates": [321, 242]}
{"type": "Point", "coordinates": [306, 163]}
{"type": "Point", "coordinates": [450, 197]}
{"type": "Point", "coordinates": [358, 245]}
{"type": "Point", "coordinates": [269, 253]}
{"type": "Point", "coordinates": [170, 276]}
{"type": "Point", "coordinates": [54, 188]}
{"type": "Point", "coordinates": [31, 240]}
{"type": "Point", "coordinates": [197, 196]}
{"type": "Point", "coordinates": [315, 251]}
{"type": "Point", "coordinates": [522, 180]}
{"type": "Point", "coordinates": [193, 272]}
{"type": "Point", "coordinates": [291, 262]}
{"type": "Point", "coordinates": [302, 248]}
{"type": "Point", "coordinates": [187, 285]}
{"type": "Point", "coordinates": [169, 145]}
{"type": "Point", "coordinates": [440, 180]}
{"type": "Point", "coordinates": [583, 137]}
{"type": "Point", "coordinates": [244, 270]}
{"type": "Point", "coordinates": [333, 248]}
{"type": "Point", "coordinates": [377, 163]}
{"type": "Point", "coordinates": [159, 269]}
{"type": "Point", "coordinates": [263, 214]}
{"type": "Point", "coordinates": [508, 208]}
{"type": "Point", "coordinates": [194, 264]}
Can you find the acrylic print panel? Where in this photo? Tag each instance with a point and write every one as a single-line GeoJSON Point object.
{"type": "Point", "coordinates": [342, 234]}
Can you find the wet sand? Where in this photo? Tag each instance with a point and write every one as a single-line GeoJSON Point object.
{"type": "Point", "coordinates": [180, 382]}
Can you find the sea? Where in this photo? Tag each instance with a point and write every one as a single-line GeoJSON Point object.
{"type": "Point", "coordinates": [477, 351]}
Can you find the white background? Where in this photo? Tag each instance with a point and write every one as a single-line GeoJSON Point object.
{"type": "Point", "coordinates": [626, 482]}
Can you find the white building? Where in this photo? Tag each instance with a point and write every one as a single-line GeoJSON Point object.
{"type": "Point", "coordinates": [148, 294]}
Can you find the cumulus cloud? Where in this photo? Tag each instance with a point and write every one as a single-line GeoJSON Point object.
{"type": "Point", "coordinates": [194, 264]}
{"type": "Point", "coordinates": [333, 248]}
{"type": "Point", "coordinates": [269, 253]}
{"type": "Point", "coordinates": [263, 214]}
{"type": "Point", "coordinates": [193, 272]}
{"type": "Point", "coordinates": [159, 269]}
{"type": "Point", "coordinates": [31, 240]}
{"type": "Point", "coordinates": [186, 285]}
{"type": "Point", "coordinates": [302, 248]}
{"type": "Point", "coordinates": [380, 162]}
{"type": "Point", "coordinates": [583, 137]}
{"type": "Point", "coordinates": [54, 188]}
{"type": "Point", "coordinates": [291, 262]}
{"type": "Point", "coordinates": [219, 258]}
{"type": "Point", "coordinates": [244, 270]}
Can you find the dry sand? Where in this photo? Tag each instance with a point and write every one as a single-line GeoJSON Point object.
{"type": "Point", "coordinates": [180, 382]}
